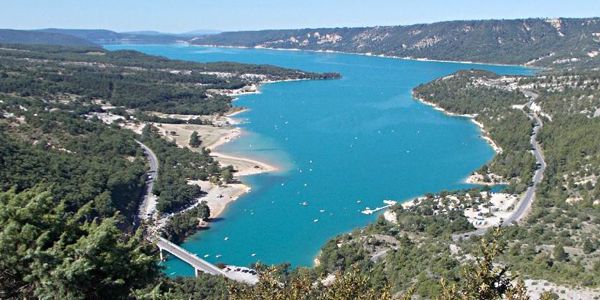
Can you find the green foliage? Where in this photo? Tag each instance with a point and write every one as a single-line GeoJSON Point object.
{"type": "Point", "coordinates": [81, 161]}
{"type": "Point", "coordinates": [49, 252]}
{"type": "Point", "coordinates": [176, 167]}
{"type": "Point", "coordinates": [485, 279]}
{"type": "Point", "coordinates": [588, 247]}
{"type": "Point", "coordinates": [204, 286]}
{"type": "Point", "coordinates": [511, 131]}
{"type": "Point", "coordinates": [568, 101]}
{"type": "Point", "coordinates": [195, 141]}
{"type": "Point", "coordinates": [128, 78]}
{"type": "Point", "coordinates": [348, 285]}
{"type": "Point", "coordinates": [411, 254]}
{"type": "Point", "coordinates": [9, 36]}
{"type": "Point", "coordinates": [227, 174]}
{"type": "Point", "coordinates": [491, 41]}
{"type": "Point", "coordinates": [183, 224]}
{"type": "Point", "coordinates": [559, 253]}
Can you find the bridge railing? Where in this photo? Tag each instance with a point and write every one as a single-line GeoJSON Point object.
{"type": "Point", "coordinates": [196, 262]}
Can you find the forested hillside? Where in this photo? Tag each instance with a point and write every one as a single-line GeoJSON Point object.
{"type": "Point", "coordinates": [557, 43]}
{"type": "Point", "coordinates": [71, 180]}
{"type": "Point", "coordinates": [542, 42]}
{"type": "Point", "coordinates": [8, 36]}
{"type": "Point", "coordinates": [128, 78]}
{"type": "Point", "coordinates": [104, 37]}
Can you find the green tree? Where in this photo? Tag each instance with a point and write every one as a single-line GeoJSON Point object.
{"type": "Point", "coordinates": [48, 252]}
{"type": "Point", "coordinates": [227, 174]}
{"type": "Point", "coordinates": [559, 253]}
{"type": "Point", "coordinates": [588, 247]}
{"type": "Point", "coordinates": [484, 279]}
{"type": "Point", "coordinates": [351, 284]}
{"type": "Point", "coordinates": [195, 141]}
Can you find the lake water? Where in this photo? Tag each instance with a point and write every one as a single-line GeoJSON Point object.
{"type": "Point", "coordinates": [343, 145]}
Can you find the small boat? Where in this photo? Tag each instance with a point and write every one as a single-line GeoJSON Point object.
{"type": "Point", "coordinates": [390, 202]}
{"type": "Point", "coordinates": [304, 203]}
{"type": "Point", "coordinates": [367, 211]}
{"type": "Point", "coordinates": [315, 220]}
{"type": "Point", "coordinates": [226, 238]}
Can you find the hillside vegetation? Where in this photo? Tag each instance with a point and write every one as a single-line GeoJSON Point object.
{"type": "Point", "coordinates": [541, 42]}
{"type": "Point", "coordinates": [71, 182]}
{"type": "Point", "coordinates": [8, 36]}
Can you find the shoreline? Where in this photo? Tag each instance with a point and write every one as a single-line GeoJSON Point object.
{"type": "Point", "coordinates": [524, 65]}
{"type": "Point", "coordinates": [484, 133]}
{"type": "Point", "coordinates": [219, 197]}
{"type": "Point", "coordinates": [473, 178]}
{"type": "Point", "coordinates": [258, 167]}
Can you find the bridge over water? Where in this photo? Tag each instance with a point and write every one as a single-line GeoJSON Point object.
{"type": "Point", "coordinates": [148, 207]}
{"type": "Point", "coordinates": [239, 274]}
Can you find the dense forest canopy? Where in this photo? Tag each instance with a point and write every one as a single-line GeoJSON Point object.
{"type": "Point", "coordinates": [129, 78]}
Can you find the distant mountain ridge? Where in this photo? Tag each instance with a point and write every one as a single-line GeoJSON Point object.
{"type": "Point", "coordinates": [102, 36]}
{"type": "Point", "coordinates": [542, 42]}
{"type": "Point", "coordinates": [559, 43]}
{"type": "Point", "coordinates": [9, 36]}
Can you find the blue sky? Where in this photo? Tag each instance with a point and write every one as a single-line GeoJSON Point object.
{"type": "Point", "coordinates": [186, 15]}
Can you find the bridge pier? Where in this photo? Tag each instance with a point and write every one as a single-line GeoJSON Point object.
{"type": "Point", "coordinates": [196, 272]}
{"type": "Point", "coordinates": [160, 253]}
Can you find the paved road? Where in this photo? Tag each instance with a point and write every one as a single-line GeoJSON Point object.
{"type": "Point", "coordinates": [147, 209]}
{"type": "Point", "coordinates": [196, 262]}
{"type": "Point", "coordinates": [148, 205]}
{"type": "Point", "coordinates": [524, 204]}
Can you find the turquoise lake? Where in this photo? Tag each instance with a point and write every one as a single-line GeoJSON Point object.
{"type": "Point", "coordinates": [343, 145]}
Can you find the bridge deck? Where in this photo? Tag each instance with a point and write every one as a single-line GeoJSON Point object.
{"type": "Point", "coordinates": [196, 262]}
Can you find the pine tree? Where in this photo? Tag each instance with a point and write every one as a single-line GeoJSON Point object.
{"type": "Point", "coordinates": [51, 253]}
{"type": "Point", "coordinates": [484, 279]}
{"type": "Point", "coordinates": [195, 141]}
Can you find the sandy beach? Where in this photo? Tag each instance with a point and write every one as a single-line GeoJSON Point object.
{"type": "Point", "coordinates": [219, 196]}
{"type": "Point", "coordinates": [212, 137]}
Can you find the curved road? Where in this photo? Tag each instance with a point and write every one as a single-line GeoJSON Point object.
{"type": "Point", "coordinates": [524, 204]}
{"type": "Point", "coordinates": [148, 205]}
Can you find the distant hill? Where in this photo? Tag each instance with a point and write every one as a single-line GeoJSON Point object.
{"type": "Point", "coordinates": [9, 36]}
{"type": "Point", "coordinates": [102, 36]}
{"type": "Point", "coordinates": [543, 42]}
{"type": "Point", "coordinates": [200, 32]}
{"type": "Point", "coordinates": [559, 43]}
{"type": "Point", "coordinates": [146, 32]}
{"type": "Point", "coordinates": [193, 33]}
